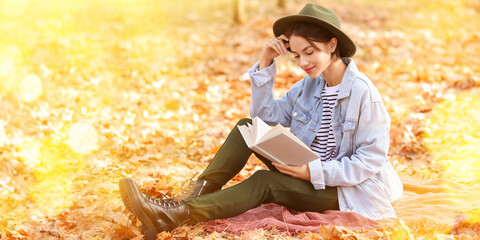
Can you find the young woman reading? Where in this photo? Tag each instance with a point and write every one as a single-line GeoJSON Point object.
{"type": "Point", "coordinates": [334, 109]}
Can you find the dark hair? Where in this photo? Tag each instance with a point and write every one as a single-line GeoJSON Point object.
{"type": "Point", "coordinates": [312, 33]}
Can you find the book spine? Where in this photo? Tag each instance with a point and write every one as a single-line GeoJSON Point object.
{"type": "Point", "coordinates": [266, 154]}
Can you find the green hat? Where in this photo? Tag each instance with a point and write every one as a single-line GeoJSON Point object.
{"type": "Point", "coordinates": [323, 17]}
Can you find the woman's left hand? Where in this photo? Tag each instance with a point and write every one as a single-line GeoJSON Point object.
{"type": "Point", "coordinates": [301, 172]}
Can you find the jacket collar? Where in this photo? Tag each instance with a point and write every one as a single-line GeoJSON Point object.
{"type": "Point", "coordinates": [347, 80]}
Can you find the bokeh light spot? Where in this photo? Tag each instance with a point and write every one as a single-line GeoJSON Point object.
{"type": "Point", "coordinates": [12, 7]}
{"type": "Point", "coordinates": [7, 69]}
{"type": "Point", "coordinates": [82, 138]}
{"type": "Point", "coordinates": [30, 152]}
{"type": "Point", "coordinates": [7, 77]}
{"type": "Point", "coordinates": [54, 174]}
{"type": "Point", "coordinates": [30, 88]}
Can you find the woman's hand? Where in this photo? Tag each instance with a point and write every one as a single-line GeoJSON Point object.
{"type": "Point", "coordinates": [273, 49]}
{"type": "Point", "coordinates": [301, 172]}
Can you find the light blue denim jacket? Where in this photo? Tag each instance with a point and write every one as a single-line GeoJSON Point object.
{"type": "Point", "coordinates": [365, 179]}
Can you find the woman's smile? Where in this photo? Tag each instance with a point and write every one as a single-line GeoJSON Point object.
{"type": "Point", "coordinates": [308, 70]}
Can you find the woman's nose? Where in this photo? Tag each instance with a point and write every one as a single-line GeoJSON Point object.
{"type": "Point", "coordinates": [302, 62]}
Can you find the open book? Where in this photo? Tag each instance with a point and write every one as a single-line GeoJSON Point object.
{"type": "Point", "coordinates": [277, 144]}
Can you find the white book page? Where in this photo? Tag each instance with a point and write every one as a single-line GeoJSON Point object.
{"type": "Point", "coordinates": [251, 130]}
{"type": "Point", "coordinates": [246, 134]}
{"type": "Point", "coordinates": [261, 128]}
{"type": "Point", "coordinates": [279, 129]}
{"type": "Point", "coordinates": [270, 134]}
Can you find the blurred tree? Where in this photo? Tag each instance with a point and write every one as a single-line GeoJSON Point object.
{"type": "Point", "coordinates": [282, 3]}
{"type": "Point", "coordinates": [238, 11]}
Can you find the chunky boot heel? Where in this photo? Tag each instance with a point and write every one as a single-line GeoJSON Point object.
{"type": "Point", "coordinates": [134, 201]}
{"type": "Point", "coordinates": [149, 233]}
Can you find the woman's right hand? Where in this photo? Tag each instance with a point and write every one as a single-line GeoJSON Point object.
{"type": "Point", "coordinates": [274, 48]}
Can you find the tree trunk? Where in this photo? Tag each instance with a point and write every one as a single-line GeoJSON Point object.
{"type": "Point", "coordinates": [282, 3]}
{"type": "Point", "coordinates": [238, 11]}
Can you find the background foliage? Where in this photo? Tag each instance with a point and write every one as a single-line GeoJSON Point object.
{"type": "Point", "coordinates": [92, 91]}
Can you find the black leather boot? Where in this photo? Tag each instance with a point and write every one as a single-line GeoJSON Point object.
{"type": "Point", "coordinates": [156, 215]}
{"type": "Point", "coordinates": [196, 189]}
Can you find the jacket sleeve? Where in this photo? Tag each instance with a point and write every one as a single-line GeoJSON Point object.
{"type": "Point", "coordinates": [371, 139]}
{"type": "Point", "coordinates": [263, 105]}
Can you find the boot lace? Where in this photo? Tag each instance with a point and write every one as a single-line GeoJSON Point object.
{"type": "Point", "coordinates": [164, 202]}
{"type": "Point", "coordinates": [188, 186]}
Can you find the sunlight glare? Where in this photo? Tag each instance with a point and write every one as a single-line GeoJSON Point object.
{"type": "Point", "coordinates": [30, 152]}
{"type": "Point", "coordinates": [82, 138]}
{"type": "Point", "coordinates": [54, 175]}
{"type": "Point", "coordinates": [11, 8]}
{"type": "Point", "coordinates": [7, 77]}
{"type": "Point", "coordinates": [30, 88]}
{"type": "Point", "coordinates": [453, 139]}
{"type": "Point", "coordinates": [7, 69]}
{"type": "Point", "coordinates": [474, 217]}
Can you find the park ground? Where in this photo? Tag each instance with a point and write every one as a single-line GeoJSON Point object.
{"type": "Point", "coordinates": [94, 91]}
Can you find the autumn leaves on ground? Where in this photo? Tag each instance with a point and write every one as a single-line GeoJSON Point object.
{"type": "Point", "coordinates": [93, 91]}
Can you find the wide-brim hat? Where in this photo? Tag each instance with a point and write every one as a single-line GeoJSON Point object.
{"type": "Point", "coordinates": [323, 17]}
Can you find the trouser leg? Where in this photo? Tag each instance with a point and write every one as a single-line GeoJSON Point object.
{"type": "Point", "coordinates": [263, 187]}
{"type": "Point", "coordinates": [230, 158]}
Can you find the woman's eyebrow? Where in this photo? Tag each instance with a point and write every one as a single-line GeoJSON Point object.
{"type": "Point", "coordinates": [302, 49]}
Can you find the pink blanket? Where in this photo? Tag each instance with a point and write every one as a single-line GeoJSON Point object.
{"type": "Point", "coordinates": [273, 216]}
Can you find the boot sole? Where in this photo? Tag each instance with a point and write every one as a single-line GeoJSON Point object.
{"type": "Point", "coordinates": [128, 191]}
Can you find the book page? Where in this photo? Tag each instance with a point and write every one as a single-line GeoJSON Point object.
{"type": "Point", "coordinates": [251, 130]}
{"type": "Point", "coordinates": [246, 134]}
{"type": "Point", "coordinates": [261, 128]}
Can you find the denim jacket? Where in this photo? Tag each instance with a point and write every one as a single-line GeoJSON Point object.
{"type": "Point", "coordinates": [364, 177]}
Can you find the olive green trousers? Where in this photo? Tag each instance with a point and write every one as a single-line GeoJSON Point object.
{"type": "Point", "coordinates": [262, 187]}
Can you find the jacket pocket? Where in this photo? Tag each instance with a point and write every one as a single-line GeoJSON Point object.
{"type": "Point", "coordinates": [300, 117]}
{"type": "Point", "coordinates": [373, 195]}
{"type": "Point", "coordinates": [347, 137]}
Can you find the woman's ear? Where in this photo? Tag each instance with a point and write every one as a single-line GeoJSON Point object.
{"type": "Point", "coordinates": [332, 45]}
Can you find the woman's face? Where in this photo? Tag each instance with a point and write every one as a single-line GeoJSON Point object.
{"type": "Point", "coordinates": [312, 61]}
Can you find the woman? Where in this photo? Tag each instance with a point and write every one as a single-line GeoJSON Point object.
{"type": "Point", "coordinates": [335, 109]}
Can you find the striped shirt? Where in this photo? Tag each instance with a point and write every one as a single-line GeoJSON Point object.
{"type": "Point", "coordinates": [324, 142]}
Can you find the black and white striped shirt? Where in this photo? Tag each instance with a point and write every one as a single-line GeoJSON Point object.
{"type": "Point", "coordinates": [324, 142]}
